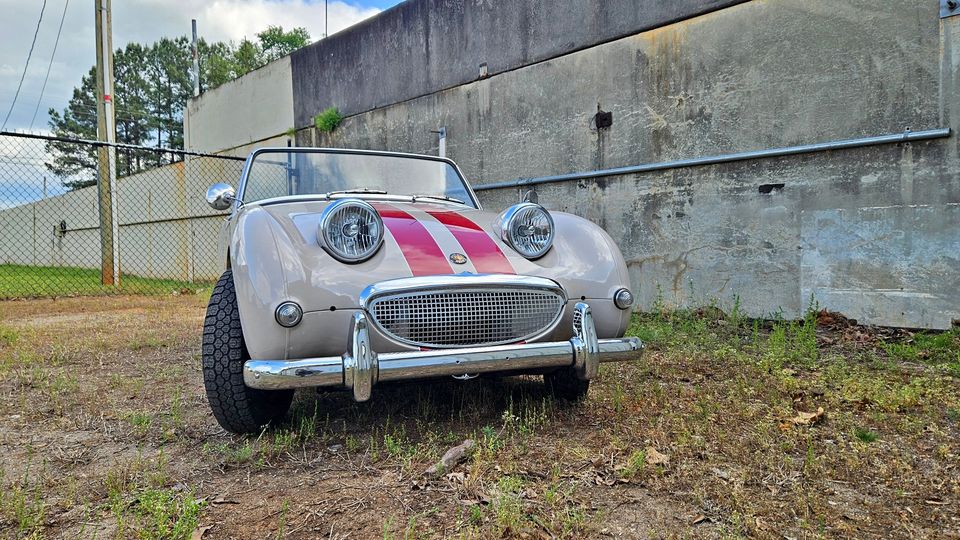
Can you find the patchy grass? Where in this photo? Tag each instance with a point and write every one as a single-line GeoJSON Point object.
{"type": "Point", "coordinates": [39, 281]}
{"type": "Point", "coordinates": [703, 436]}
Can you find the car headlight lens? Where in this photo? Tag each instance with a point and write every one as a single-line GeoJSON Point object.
{"type": "Point", "coordinates": [350, 230]}
{"type": "Point", "coordinates": [528, 229]}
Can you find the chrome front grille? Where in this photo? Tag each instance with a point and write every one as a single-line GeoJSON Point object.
{"type": "Point", "coordinates": [467, 316]}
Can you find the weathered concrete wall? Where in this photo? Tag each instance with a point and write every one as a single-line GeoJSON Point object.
{"type": "Point", "coordinates": [422, 46]}
{"type": "Point", "coordinates": [748, 77]}
{"type": "Point", "coordinates": [247, 110]}
{"type": "Point", "coordinates": [869, 232]}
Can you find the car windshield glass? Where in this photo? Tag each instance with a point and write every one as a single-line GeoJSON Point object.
{"type": "Point", "coordinates": [277, 173]}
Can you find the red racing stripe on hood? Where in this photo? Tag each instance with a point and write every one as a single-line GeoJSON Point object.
{"type": "Point", "coordinates": [421, 251]}
{"type": "Point", "coordinates": [485, 254]}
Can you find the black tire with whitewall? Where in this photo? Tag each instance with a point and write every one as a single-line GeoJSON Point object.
{"type": "Point", "coordinates": [237, 407]}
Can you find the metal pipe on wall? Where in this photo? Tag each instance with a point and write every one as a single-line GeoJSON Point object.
{"type": "Point", "coordinates": [906, 136]}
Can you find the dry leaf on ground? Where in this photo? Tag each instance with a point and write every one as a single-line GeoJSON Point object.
{"type": "Point", "coordinates": [808, 418]}
{"type": "Point", "coordinates": [656, 458]}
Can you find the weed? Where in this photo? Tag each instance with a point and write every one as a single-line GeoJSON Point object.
{"type": "Point", "coordinates": [8, 336]}
{"type": "Point", "coordinates": [282, 520]}
{"type": "Point", "coordinates": [23, 506]}
{"type": "Point", "coordinates": [328, 120]}
{"type": "Point", "coordinates": [931, 347]}
{"type": "Point", "coordinates": [141, 422]}
{"type": "Point", "coordinates": [166, 514]}
{"type": "Point", "coordinates": [507, 504]}
{"type": "Point", "coordinates": [634, 465]}
{"type": "Point", "coordinates": [476, 514]}
{"type": "Point", "coordinates": [736, 315]}
{"type": "Point", "coordinates": [865, 435]}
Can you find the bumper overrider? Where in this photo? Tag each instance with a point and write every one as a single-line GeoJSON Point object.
{"type": "Point", "coordinates": [360, 367]}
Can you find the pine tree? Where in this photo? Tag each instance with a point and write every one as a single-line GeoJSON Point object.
{"type": "Point", "coordinates": [151, 85]}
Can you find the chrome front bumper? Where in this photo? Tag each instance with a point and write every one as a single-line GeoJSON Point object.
{"type": "Point", "coordinates": [360, 368]}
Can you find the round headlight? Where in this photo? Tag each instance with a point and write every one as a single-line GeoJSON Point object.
{"type": "Point", "coordinates": [528, 229]}
{"type": "Point", "coordinates": [623, 299]}
{"type": "Point", "coordinates": [350, 230]}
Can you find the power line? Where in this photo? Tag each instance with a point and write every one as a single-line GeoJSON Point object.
{"type": "Point", "coordinates": [50, 65]}
{"type": "Point", "coordinates": [29, 54]}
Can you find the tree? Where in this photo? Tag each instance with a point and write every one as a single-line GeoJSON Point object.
{"type": "Point", "coordinates": [275, 43]}
{"type": "Point", "coordinates": [151, 85]}
{"type": "Point", "coordinates": [76, 164]}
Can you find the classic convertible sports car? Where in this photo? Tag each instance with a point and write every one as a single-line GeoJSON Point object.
{"type": "Point", "coordinates": [347, 268]}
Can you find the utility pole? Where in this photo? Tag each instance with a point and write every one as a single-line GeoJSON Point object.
{"type": "Point", "coordinates": [326, 17]}
{"type": "Point", "coordinates": [196, 60]}
{"type": "Point", "coordinates": [106, 132]}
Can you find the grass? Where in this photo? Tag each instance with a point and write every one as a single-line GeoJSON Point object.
{"type": "Point", "coordinates": [865, 435]}
{"type": "Point", "coordinates": [327, 120]}
{"type": "Point", "coordinates": [39, 281]}
{"type": "Point", "coordinates": [697, 438]}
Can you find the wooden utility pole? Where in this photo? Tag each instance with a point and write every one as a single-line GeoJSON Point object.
{"type": "Point", "coordinates": [106, 131]}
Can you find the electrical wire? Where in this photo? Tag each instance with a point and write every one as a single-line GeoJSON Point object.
{"type": "Point", "coordinates": [50, 65]}
{"type": "Point", "coordinates": [29, 54]}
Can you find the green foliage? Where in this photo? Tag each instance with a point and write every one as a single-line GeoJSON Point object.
{"type": "Point", "coordinates": [865, 435]}
{"type": "Point", "coordinates": [8, 336]}
{"type": "Point", "coordinates": [507, 504]}
{"type": "Point", "coordinates": [635, 464]}
{"type": "Point", "coordinates": [791, 342]}
{"type": "Point", "coordinates": [936, 348]}
{"type": "Point", "coordinates": [163, 513]}
{"type": "Point", "coordinates": [22, 506]}
{"type": "Point", "coordinates": [328, 120]}
{"type": "Point", "coordinates": [151, 84]}
{"type": "Point", "coordinates": [276, 43]}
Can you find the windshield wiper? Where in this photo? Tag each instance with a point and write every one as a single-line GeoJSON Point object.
{"type": "Point", "coordinates": [356, 190]}
{"type": "Point", "coordinates": [437, 197]}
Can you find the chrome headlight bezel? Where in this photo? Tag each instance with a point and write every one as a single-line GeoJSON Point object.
{"type": "Point", "coordinates": [512, 218]}
{"type": "Point", "coordinates": [332, 241]}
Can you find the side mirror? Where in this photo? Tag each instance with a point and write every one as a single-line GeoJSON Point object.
{"type": "Point", "coordinates": [221, 196]}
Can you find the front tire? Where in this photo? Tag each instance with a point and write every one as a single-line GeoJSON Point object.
{"type": "Point", "coordinates": [565, 385]}
{"type": "Point", "coordinates": [237, 407]}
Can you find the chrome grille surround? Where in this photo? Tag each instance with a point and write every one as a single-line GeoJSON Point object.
{"type": "Point", "coordinates": [464, 310]}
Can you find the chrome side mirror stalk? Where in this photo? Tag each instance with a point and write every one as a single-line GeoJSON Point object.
{"type": "Point", "coordinates": [221, 196]}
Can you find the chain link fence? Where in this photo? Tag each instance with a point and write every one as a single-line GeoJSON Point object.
{"type": "Point", "coordinates": [62, 232]}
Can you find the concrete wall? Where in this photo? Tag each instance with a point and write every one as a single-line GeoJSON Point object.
{"type": "Point", "coordinates": [869, 232]}
{"type": "Point", "coordinates": [242, 112]}
{"type": "Point", "coordinates": [421, 46]}
{"type": "Point", "coordinates": [747, 77]}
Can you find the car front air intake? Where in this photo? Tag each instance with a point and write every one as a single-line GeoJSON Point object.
{"type": "Point", "coordinates": [465, 310]}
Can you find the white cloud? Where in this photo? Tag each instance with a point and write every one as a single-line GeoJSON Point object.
{"type": "Point", "coordinates": [143, 21]}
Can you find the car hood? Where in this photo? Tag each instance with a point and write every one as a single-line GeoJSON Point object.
{"type": "Point", "coordinates": [420, 239]}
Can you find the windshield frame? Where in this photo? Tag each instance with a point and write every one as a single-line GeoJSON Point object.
{"type": "Point", "coordinates": [472, 202]}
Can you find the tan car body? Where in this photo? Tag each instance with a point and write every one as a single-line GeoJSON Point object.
{"type": "Point", "coordinates": [272, 248]}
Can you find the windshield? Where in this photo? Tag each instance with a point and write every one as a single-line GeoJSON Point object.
{"type": "Point", "coordinates": [278, 173]}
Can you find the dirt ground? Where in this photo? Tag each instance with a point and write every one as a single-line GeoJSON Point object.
{"type": "Point", "coordinates": [725, 427]}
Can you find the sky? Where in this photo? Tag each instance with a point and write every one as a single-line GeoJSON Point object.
{"type": "Point", "coordinates": [143, 21]}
